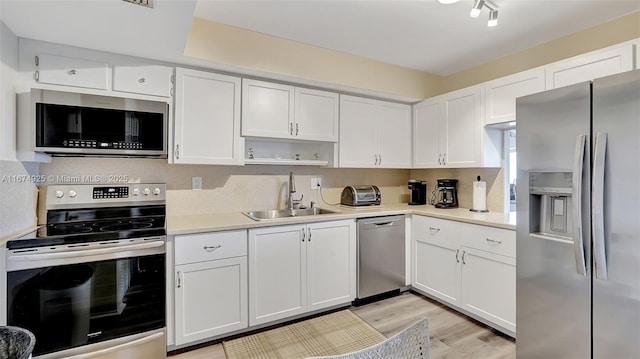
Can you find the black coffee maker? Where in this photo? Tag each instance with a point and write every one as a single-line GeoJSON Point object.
{"type": "Point", "coordinates": [418, 192]}
{"type": "Point", "coordinates": [446, 193]}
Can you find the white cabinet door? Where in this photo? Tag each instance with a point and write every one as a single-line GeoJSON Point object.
{"type": "Point", "coordinates": [210, 298]}
{"type": "Point", "coordinates": [331, 264]}
{"type": "Point", "coordinates": [426, 133]}
{"type": "Point", "coordinates": [207, 118]}
{"type": "Point", "coordinates": [489, 286]}
{"type": "Point", "coordinates": [316, 115]}
{"type": "Point", "coordinates": [148, 80]}
{"type": "Point", "coordinates": [358, 141]}
{"type": "Point", "coordinates": [501, 94]}
{"type": "Point", "coordinates": [589, 66]}
{"type": "Point", "coordinates": [394, 135]}
{"type": "Point", "coordinates": [267, 109]}
{"type": "Point", "coordinates": [66, 71]}
{"type": "Point", "coordinates": [437, 270]}
{"type": "Point", "coordinates": [463, 146]}
{"type": "Point", "coordinates": [277, 267]}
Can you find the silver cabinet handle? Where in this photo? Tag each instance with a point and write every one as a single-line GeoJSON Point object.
{"type": "Point", "coordinates": [296, 129]}
{"type": "Point", "coordinates": [463, 253]}
{"type": "Point", "coordinates": [434, 229]}
{"type": "Point", "coordinates": [177, 152]}
{"type": "Point", "coordinates": [444, 159]}
{"type": "Point", "coordinates": [309, 240]}
{"type": "Point", "coordinates": [178, 279]}
{"type": "Point", "coordinates": [291, 128]}
{"type": "Point", "coordinates": [142, 80]}
{"type": "Point", "coordinates": [304, 235]}
{"type": "Point", "coordinates": [211, 248]}
{"type": "Point", "coordinates": [597, 204]}
{"type": "Point", "coordinates": [576, 199]}
{"type": "Point", "coordinates": [493, 241]}
{"type": "Point", "coordinates": [380, 161]}
{"type": "Point", "coordinates": [71, 72]}
{"type": "Point", "coordinates": [457, 259]}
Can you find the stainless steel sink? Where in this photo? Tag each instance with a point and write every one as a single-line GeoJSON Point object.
{"type": "Point", "coordinates": [287, 213]}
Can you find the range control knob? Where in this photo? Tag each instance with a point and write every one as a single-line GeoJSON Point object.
{"type": "Point", "coordinates": [73, 193]}
{"type": "Point", "coordinates": [59, 194]}
{"type": "Point", "coordinates": [136, 191]}
{"type": "Point", "coordinates": [156, 191]}
{"type": "Point", "coordinates": [146, 191]}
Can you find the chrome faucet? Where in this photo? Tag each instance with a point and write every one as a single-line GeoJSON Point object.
{"type": "Point", "coordinates": [291, 203]}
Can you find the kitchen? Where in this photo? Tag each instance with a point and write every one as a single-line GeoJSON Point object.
{"type": "Point", "coordinates": [240, 188]}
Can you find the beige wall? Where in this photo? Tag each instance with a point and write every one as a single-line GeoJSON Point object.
{"type": "Point", "coordinates": [609, 33]}
{"type": "Point", "coordinates": [230, 45]}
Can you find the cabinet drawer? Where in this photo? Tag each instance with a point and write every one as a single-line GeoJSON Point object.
{"type": "Point", "coordinates": [490, 239]}
{"type": "Point", "coordinates": [429, 228]}
{"type": "Point", "coordinates": [60, 70]}
{"type": "Point", "coordinates": [193, 248]}
{"type": "Point", "coordinates": [147, 80]}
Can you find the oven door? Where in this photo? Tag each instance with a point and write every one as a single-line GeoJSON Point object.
{"type": "Point", "coordinates": [75, 301]}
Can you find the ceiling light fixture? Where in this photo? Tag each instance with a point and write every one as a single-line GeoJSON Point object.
{"type": "Point", "coordinates": [493, 18]}
{"type": "Point", "coordinates": [477, 8]}
{"type": "Point", "coordinates": [447, 2]}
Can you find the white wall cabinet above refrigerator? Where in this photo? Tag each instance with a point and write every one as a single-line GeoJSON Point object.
{"type": "Point", "coordinates": [586, 67]}
{"type": "Point", "coordinates": [374, 134]}
{"type": "Point", "coordinates": [286, 112]}
{"type": "Point", "coordinates": [501, 94]}
{"type": "Point", "coordinates": [447, 130]}
{"type": "Point", "coordinates": [207, 119]}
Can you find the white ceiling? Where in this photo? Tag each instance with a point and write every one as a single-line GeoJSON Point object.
{"type": "Point", "coordinates": [418, 34]}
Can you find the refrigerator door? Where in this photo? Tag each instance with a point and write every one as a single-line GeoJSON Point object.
{"type": "Point", "coordinates": [553, 229]}
{"type": "Point", "coordinates": [616, 217]}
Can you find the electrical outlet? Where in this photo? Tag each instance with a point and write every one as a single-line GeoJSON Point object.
{"type": "Point", "coordinates": [196, 183]}
{"type": "Point", "coordinates": [316, 182]}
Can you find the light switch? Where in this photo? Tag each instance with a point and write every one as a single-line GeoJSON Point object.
{"type": "Point", "coordinates": [196, 183]}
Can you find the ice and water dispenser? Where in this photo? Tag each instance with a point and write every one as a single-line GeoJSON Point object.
{"type": "Point", "coordinates": [551, 205]}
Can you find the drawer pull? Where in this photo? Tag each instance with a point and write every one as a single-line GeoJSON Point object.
{"type": "Point", "coordinates": [142, 80]}
{"type": "Point", "coordinates": [493, 241]}
{"type": "Point", "coordinates": [463, 253]}
{"type": "Point", "coordinates": [71, 72]}
{"type": "Point", "coordinates": [457, 259]}
{"type": "Point", "coordinates": [178, 279]}
{"type": "Point", "coordinates": [211, 248]}
{"type": "Point", "coordinates": [434, 229]}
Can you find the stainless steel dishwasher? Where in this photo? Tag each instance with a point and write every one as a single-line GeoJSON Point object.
{"type": "Point", "coordinates": [381, 256]}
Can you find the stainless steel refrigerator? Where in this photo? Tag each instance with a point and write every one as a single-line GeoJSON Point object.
{"type": "Point", "coordinates": [578, 221]}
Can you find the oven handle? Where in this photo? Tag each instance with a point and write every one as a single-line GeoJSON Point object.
{"type": "Point", "coordinates": [88, 252]}
{"type": "Point", "coordinates": [118, 347]}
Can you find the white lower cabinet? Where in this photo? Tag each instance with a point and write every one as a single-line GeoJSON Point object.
{"type": "Point", "coordinates": [300, 268]}
{"type": "Point", "coordinates": [210, 285]}
{"type": "Point", "coordinates": [470, 267]}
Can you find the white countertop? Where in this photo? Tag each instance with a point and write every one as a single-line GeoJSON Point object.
{"type": "Point", "coordinates": [186, 224]}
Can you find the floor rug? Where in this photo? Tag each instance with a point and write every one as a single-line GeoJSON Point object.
{"type": "Point", "coordinates": [336, 333]}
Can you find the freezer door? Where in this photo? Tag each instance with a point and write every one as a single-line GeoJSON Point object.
{"type": "Point", "coordinates": [616, 216]}
{"type": "Point", "coordinates": [553, 285]}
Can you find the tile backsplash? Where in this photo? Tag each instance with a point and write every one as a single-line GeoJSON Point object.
{"type": "Point", "coordinates": [257, 187]}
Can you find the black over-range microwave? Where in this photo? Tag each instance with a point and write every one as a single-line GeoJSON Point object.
{"type": "Point", "coordinates": [75, 124]}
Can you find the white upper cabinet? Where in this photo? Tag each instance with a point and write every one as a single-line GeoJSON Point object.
{"type": "Point", "coordinates": [152, 80]}
{"type": "Point", "coordinates": [590, 66]}
{"type": "Point", "coordinates": [501, 94]}
{"type": "Point", "coordinates": [286, 112]}
{"type": "Point", "coordinates": [207, 118]}
{"type": "Point", "coordinates": [456, 118]}
{"type": "Point", "coordinates": [374, 134]}
{"type": "Point", "coordinates": [316, 115]}
{"type": "Point", "coordinates": [66, 71]}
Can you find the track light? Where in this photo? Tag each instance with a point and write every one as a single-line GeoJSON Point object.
{"type": "Point", "coordinates": [493, 18]}
{"type": "Point", "coordinates": [477, 8]}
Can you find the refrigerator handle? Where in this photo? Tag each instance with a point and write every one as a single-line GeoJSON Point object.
{"type": "Point", "coordinates": [597, 203]}
{"type": "Point", "coordinates": [578, 166]}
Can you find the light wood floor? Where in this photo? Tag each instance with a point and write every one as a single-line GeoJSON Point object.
{"type": "Point", "coordinates": [453, 335]}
